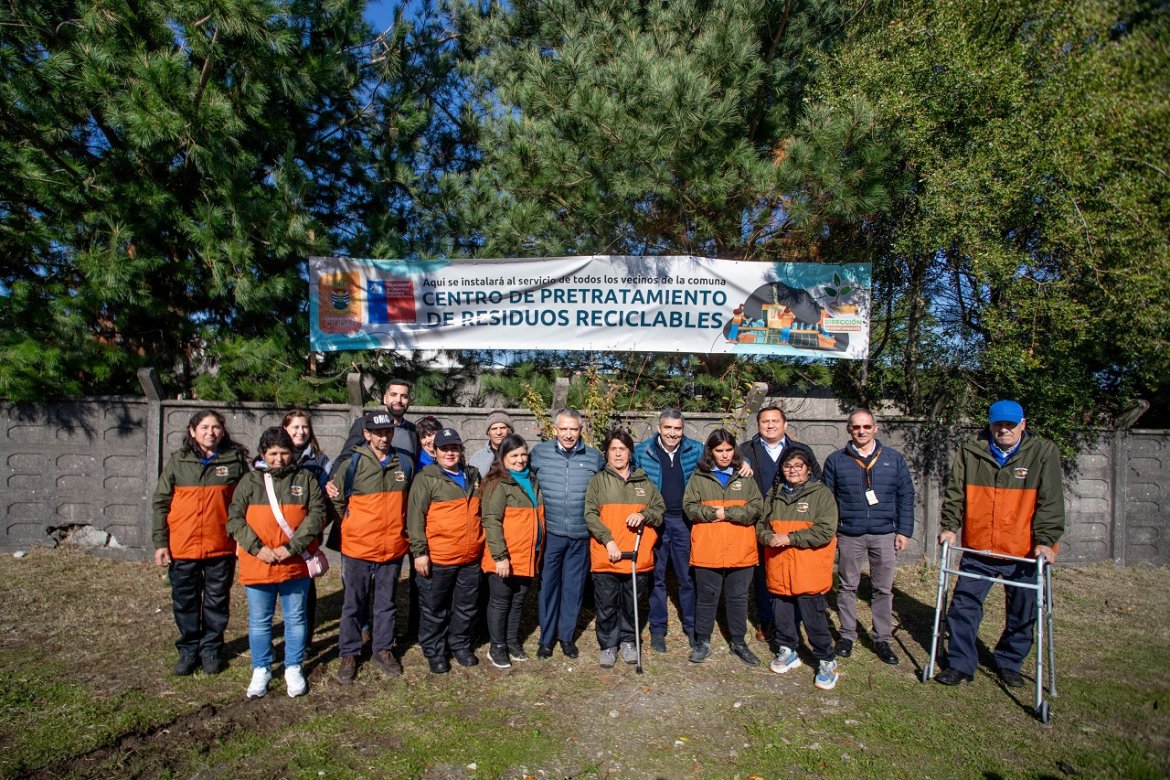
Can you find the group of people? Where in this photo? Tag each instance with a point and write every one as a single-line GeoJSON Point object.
{"type": "Point", "coordinates": [479, 532]}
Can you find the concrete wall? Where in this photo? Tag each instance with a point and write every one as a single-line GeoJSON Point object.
{"type": "Point", "coordinates": [95, 462]}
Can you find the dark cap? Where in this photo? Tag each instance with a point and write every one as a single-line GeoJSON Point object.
{"type": "Point", "coordinates": [447, 436]}
{"type": "Point", "coordinates": [377, 419]}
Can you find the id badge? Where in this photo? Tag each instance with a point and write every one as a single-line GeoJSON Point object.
{"type": "Point", "coordinates": [871, 497]}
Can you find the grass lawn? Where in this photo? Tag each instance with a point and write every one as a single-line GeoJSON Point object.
{"type": "Point", "coordinates": [86, 646]}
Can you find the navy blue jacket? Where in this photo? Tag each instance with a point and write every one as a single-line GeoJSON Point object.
{"type": "Point", "coordinates": [764, 468]}
{"type": "Point", "coordinates": [894, 511]}
{"type": "Point", "coordinates": [689, 452]}
{"type": "Point", "coordinates": [564, 478]}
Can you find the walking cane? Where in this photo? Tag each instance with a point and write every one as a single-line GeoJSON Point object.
{"type": "Point", "coordinates": [633, 556]}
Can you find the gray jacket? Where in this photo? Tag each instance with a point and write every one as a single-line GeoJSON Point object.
{"type": "Point", "coordinates": [564, 478]}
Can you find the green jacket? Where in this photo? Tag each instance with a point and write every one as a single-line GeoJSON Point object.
{"type": "Point", "coordinates": [191, 504]}
{"type": "Point", "coordinates": [292, 485]}
{"type": "Point", "coordinates": [821, 509]}
{"type": "Point", "coordinates": [608, 489]}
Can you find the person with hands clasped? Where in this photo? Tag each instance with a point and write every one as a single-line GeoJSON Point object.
{"type": "Point", "coordinates": [798, 533]}
{"type": "Point", "coordinates": [275, 515]}
{"type": "Point", "coordinates": [446, 542]}
{"type": "Point", "coordinates": [620, 503]}
{"type": "Point", "coordinates": [189, 531]}
{"type": "Point", "coordinates": [513, 529]}
{"type": "Point", "coordinates": [723, 508]}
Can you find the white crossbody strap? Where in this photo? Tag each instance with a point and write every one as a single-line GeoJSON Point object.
{"type": "Point", "coordinates": [272, 502]}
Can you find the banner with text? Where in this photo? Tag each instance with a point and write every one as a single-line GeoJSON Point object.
{"type": "Point", "coordinates": [600, 302]}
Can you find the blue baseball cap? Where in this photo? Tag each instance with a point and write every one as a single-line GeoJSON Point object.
{"type": "Point", "coordinates": [1005, 411]}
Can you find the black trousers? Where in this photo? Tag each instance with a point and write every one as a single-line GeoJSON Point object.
{"type": "Point", "coordinates": [812, 611]}
{"type": "Point", "coordinates": [201, 596]}
{"type": "Point", "coordinates": [613, 604]}
{"type": "Point", "coordinates": [505, 602]}
{"type": "Point", "coordinates": [447, 602]}
{"type": "Point", "coordinates": [734, 585]}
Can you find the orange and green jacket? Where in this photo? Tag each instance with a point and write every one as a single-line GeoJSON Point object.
{"type": "Point", "coordinates": [191, 504]}
{"type": "Point", "coordinates": [1006, 509]}
{"type": "Point", "coordinates": [513, 527]}
{"type": "Point", "coordinates": [609, 500]}
{"type": "Point", "coordinates": [442, 519]}
{"type": "Point", "coordinates": [373, 526]}
{"type": "Point", "coordinates": [729, 543]}
{"type": "Point", "coordinates": [809, 517]}
{"type": "Point", "coordinates": [253, 525]}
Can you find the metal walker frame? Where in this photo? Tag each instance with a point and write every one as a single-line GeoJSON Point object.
{"type": "Point", "coordinates": [1044, 635]}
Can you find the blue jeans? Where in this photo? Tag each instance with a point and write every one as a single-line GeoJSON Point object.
{"type": "Point", "coordinates": [562, 586]}
{"type": "Point", "coordinates": [673, 545]}
{"type": "Point", "coordinates": [262, 606]}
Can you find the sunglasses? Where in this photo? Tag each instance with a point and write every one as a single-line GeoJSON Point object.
{"type": "Point", "coordinates": [861, 427]}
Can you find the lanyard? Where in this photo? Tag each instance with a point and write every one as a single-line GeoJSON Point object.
{"type": "Point", "coordinates": [868, 467]}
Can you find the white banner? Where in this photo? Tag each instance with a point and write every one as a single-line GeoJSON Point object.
{"type": "Point", "coordinates": [602, 302]}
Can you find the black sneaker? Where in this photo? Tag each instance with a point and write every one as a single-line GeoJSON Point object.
{"type": "Point", "coordinates": [883, 651]}
{"type": "Point", "coordinates": [569, 649]}
{"type": "Point", "coordinates": [953, 676]}
{"type": "Point", "coordinates": [1011, 679]}
{"type": "Point", "coordinates": [498, 655]}
{"type": "Point", "coordinates": [743, 653]}
{"type": "Point", "coordinates": [844, 647]}
{"type": "Point", "coordinates": [699, 652]}
{"type": "Point", "coordinates": [184, 666]}
{"type": "Point", "coordinates": [516, 652]}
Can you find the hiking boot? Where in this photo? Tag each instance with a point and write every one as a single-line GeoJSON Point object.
{"type": "Point", "coordinates": [700, 651]}
{"type": "Point", "coordinates": [439, 665]}
{"type": "Point", "coordinates": [826, 678]}
{"type": "Point", "coordinates": [184, 666]}
{"type": "Point", "coordinates": [844, 647]}
{"type": "Point", "coordinates": [785, 661]}
{"type": "Point", "coordinates": [744, 653]}
{"type": "Point", "coordinates": [629, 652]}
{"type": "Point", "coordinates": [498, 655]}
{"type": "Point", "coordinates": [658, 643]}
{"type": "Point", "coordinates": [952, 676]}
{"type": "Point", "coordinates": [259, 685]}
{"type": "Point", "coordinates": [569, 649]}
{"type": "Point", "coordinates": [516, 652]}
{"type": "Point", "coordinates": [608, 657]}
{"type": "Point", "coordinates": [883, 651]}
{"type": "Point", "coordinates": [1011, 678]}
{"type": "Point", "coordinates": [543, 651]}
{"type": "Point", "coordinates": [211, 664]}
{"type": "Point", "coordinates": [390, 666]}
{"type": "Point", "coordinates": [295, 682]}
{"type": "Point", "coordinates": [465, 657]}
{"type": "Point", "coordinates": [347, 670]}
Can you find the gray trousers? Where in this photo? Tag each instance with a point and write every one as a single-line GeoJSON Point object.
{"type": "Point", "coordinates": [853, 551]}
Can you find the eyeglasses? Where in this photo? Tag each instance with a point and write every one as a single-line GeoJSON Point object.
{"type": "Point", "coordinates": [861, 427]}
{"type": "Point", "coordinates": [795, 466]}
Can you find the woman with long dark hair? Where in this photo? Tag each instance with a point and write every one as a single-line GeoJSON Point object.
{"type": "Point", "coordinates": [513, 527]}
{"type": "Point", "coordinates": [723, 508]}
{"type": "Point", "coordinates": [189, 530]}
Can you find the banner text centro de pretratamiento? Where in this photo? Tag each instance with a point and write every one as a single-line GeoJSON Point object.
{"type": "Point", "coordinates": [601, 302]}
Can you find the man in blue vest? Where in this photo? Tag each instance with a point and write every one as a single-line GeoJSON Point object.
{"type": "Point", "coordinates": [564, 465]}
{"type": "Point", "coordinates": [875, 504]}
{"type": "Point", "coordinates": [669, 458]}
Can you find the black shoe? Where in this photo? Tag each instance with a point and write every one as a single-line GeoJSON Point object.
{"type": "Point", "coordinates": [544, 651]}
{"type": "Point", "coordinates": [569, 649]}
{"type": "Point", "coordinates": [1011, 679]}
{"type": "Point", "coordinates": [699, 652]}
{"type": "Point", "coordinates": [658, 643]}
{"type": "Point", "coordinates": [953, 676]}
{"type": "Point", "coordinates": [845, 648]}
{"type": "Point", "coordinates": [743, 653]}
{"type": "Point", "coordinates": [184, 666]}
{"type": "Point", "coordinates": [212, 665]}
{"type": "Point", "coordinates": [465, 657]}
{"type": "Point", "coordinates": [883, 651]}
{"type": "Point", "coordinates": [439, 665]}
{"type": "Point", "coordinates": [498, 655]}
{"type": "Point", "coordinates": [516, 652]}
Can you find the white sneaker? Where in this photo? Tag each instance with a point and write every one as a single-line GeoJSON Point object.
{"type": "Point", "coordinates": [786, 659]}
{"type": "Point", "coordinates": [826, 678]}
{"type": "Point", "coordinates": [295, 681]}
{"type": "Point", "coordinates": [259, 685]}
